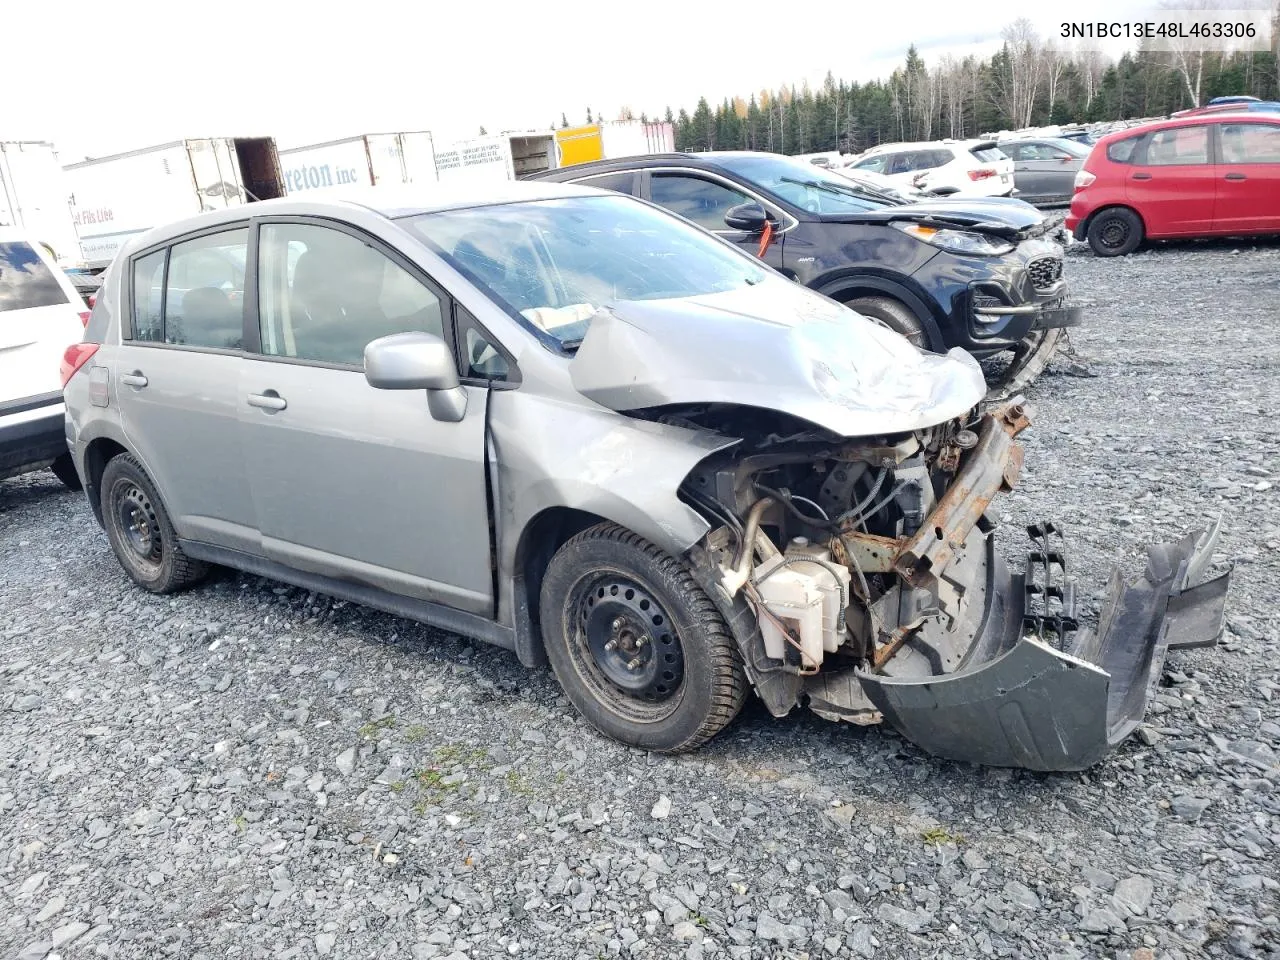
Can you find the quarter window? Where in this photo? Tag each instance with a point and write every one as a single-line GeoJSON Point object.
{"type": "Point", "coordinates": [148, 297]}
{"type": "Point", "coordinates": [1122, 150]}
{"type": "Point", "coordinates": [325, 294]}
{"type": "Point", "coordinates": [1250, 142]}
{"type": "Point", "coordinates": [1178, 146]}
{"type": "Point", "coordinates": [696, 199]}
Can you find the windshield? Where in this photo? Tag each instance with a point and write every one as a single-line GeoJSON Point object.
{"type": "Point", "coordinates": [804, 185]}
{"type": "Point", "coordinates": [553, 263]}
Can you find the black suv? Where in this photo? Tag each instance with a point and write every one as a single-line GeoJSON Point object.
{"type": "Point", "coordinates": [981, 274]}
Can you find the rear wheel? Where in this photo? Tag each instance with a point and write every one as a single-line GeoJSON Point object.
{"type": "Point", "coordinates": [1115, 232]}
{"type": "Point", "coordinates": [892, 314]}
{"type": "Point", "coordinates": [65, 470]}
{"type": "Point", "coordinates": [636, 644]}
{"type": "Point", "coordinates": [140, 532]}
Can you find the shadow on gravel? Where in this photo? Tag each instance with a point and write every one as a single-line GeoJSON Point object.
{"type": "Point", "coordinates": [1205, 245]}
{"type": "Point", "coordinates": [33, 488]}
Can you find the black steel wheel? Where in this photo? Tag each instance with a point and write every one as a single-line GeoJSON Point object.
{"type": "Point", "coordinates": [141, 535]}
{"type": "Point", "coordinates": [1115, 232]}
{"type": "Point", "coordinates": [637, 645]}
{"type": "Point", "coordinates": [626, 645]}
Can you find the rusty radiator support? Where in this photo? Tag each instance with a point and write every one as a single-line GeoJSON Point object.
{"type": "Point", "coordinates": [993, 465]}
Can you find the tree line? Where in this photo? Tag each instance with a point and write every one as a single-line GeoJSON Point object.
{"type": "Point", "coordinates": [1030, 81]}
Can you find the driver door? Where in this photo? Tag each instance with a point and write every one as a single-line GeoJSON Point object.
{"type": "Point", "coordinates": [705, 200]}
{"type": "Point", "coordinates": [348, 481]}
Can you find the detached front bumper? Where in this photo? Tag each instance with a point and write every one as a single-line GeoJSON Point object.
{"type": "Point", "coordinates": [1004, 677]}
{"type": "Point", "coordinates": [1026, 697]}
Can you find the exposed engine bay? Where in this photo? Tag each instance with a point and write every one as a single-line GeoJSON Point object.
{"type": "Point", "coordinates": [868, 569]}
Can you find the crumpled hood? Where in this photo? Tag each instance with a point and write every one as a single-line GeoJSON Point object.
{"type": "Point", "coordinates": [777, 346]}
{"type": "Point", "coordinates": [1002, 215]}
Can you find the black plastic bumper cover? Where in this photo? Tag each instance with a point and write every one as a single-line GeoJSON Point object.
{"type": "Point", "coordinates": [1021, 702]}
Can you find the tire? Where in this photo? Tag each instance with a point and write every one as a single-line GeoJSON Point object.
{"type": "Point", "coordinates": [141, 535]}
{"type": "Point", "coordinates": [892, 314]}
{"type": "Point", "coordinates": [608, 585]}
{"type": "Point", "coordinates": [1115, 232]}
{"type": "Point", "coordinates": [64, 469]}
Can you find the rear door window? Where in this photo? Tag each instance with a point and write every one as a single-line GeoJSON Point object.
{"type": "Point", "coordinates": [204, 294]}
{"type": "Point", "coordinates": [1178, 147]}
{"type": "Point", "coordinates": [25, 280]}
{"type": "Point", "coordinates": [1250, 142]}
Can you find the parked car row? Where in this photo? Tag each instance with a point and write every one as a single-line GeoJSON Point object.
{"type": "Point", "coordinates": [1210, 171]}
{"type": "Point", "coordinates": [568, 422]}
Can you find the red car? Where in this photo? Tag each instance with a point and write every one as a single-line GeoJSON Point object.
{"type": "Point", "coordinates": [1195, 176]}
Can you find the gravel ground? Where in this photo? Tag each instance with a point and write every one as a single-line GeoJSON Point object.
{"type": "Point", "coordinates": [249, 770]}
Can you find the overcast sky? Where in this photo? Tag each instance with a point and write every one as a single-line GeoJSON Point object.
{"type": "Point", "coordinates": [102, 76]}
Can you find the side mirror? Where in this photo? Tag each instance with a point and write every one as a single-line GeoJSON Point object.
{"type": "Point", "coordinates": [417, 361]}
{"type": "Point", "coordinates": [749, 216]}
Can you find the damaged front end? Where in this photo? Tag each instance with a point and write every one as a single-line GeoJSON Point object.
{"type": "Point", "coordinates": [861, 578]}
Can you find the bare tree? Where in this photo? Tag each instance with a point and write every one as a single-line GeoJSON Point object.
{"type": "Point", "coordinates": [1053, 65]}
{"type": "Point", "coordinates": [1016, 88]}
{"type": "Point", "coordinates": [1188, 56]}
{"type": "Point", "coordinates": [1092, 65]}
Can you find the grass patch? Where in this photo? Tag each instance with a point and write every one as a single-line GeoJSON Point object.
{"type": "Point", "coordinates": [938, 836]}
{"type": "Point", "coordinates": [371, 729]}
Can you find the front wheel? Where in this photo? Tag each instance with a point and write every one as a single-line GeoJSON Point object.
{"type": "Point", "coordinates": [636, 644]}
{"type": "Point", "coordinates": [141, 535]}
{"type": "Point", "coordinates": [892, 314]}
{"type": "Point", "coordinates": [1115, 232]}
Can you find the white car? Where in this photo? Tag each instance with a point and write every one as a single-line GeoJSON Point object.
{"type": "Point", "coordinates": [40, 316]}
{"type": "Point", "coordinates": [966, 168]}
{"type": "Point", "coordinates": [880, 183]}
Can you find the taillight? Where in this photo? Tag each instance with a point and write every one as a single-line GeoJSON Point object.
{"type": "Point", "coordinates": [75, 357]}
{"type": "Point", "coordinates": [981, 173]}
{"type": "Point", "coordinates": [84, 317]}
{"type": "Point", "coordinates": [1083, 179]}
{"type": "Point", "coordinates": [92, 300]}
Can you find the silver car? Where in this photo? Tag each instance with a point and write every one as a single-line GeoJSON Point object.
{"type": "Point", "coordinates": [1044, 169]}
{"type": "Point", "coordinates": [574, 425]}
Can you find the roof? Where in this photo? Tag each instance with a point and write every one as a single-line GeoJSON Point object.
{"type": "Point", "coordinates": [391, 202]}
{"type": "Point", "coordinates": [1194, 120]}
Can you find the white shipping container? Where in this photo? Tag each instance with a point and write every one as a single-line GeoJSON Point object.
{"type": "Point", "coordinates": [372, 159]}
{"type": "Point", "coordinates": [118, 197]}
{"type": "Point", "coordinates": [34, 195]}
{"type": "Point", "coordinates": [506, 156]}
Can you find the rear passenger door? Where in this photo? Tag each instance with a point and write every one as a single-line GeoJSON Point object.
{"type": "Point", "coordinates": [176, 378]}
{"type": "Point", "coordinates": [1248, 177]}
{"type": "Point", "coordinates": [351, 482]}
{"type": "Point", "coordinates": [705, 199]}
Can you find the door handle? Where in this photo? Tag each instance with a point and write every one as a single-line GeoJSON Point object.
{"type": "Point", "coordinates": [267, 400]}
{"type": "Point", "coordinates": [1142, 176]}
{"type": "Point", "coordinates": [1235, 176]}
{"type": "Point", "coordinates": [135, 379]}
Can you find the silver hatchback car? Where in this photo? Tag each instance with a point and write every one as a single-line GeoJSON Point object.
{"type": "Point", "coordinates": [574, 425]}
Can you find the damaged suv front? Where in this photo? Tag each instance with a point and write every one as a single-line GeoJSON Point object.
{"type": "Point", "coordinates": [852, 555]}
